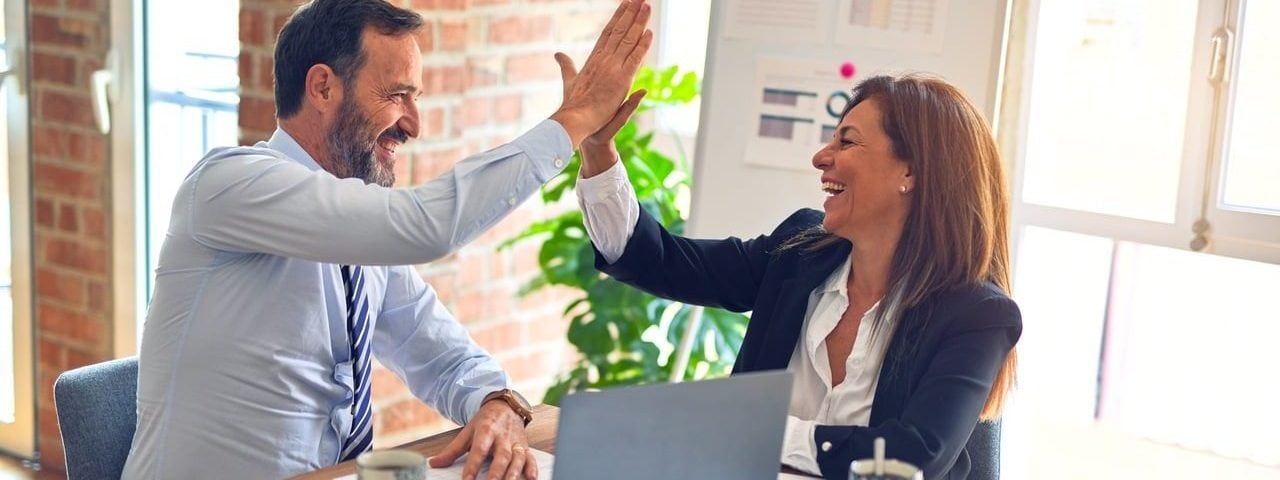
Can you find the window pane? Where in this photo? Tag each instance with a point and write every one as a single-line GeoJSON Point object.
{"type": "Point", "coordinates": [1191, 358]}
{"type": "Point", "coordinates": [7, 387]}
{"type": "Point", "coordinates": [1108, 97]}
{"type": "Point", "coordinates": [1060, 284]}
{"type": "Point", "coordinates": [192, 100]}
{"type": "Point", "coordinates": [684, 43]}
{"type": "Point", "coordinates": [1252, 166]}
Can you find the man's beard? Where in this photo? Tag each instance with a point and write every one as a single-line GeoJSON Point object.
{"type": "Point", "coordinates": [351, 149]}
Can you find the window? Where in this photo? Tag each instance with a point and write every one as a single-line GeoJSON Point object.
{"type": "Point", "coordinates": [173, 97]}
{"type": "Point", "coordinates": [1100, 109]}
{"type": "Point", "coordinates": [192, 102]}
{"type": "Point", "coordinates": [683, 42]}
{"type": "Point", "coordinates": [1243, 206]}
{"type": "Point", "coordinates": [681, 37]}
{"type": "Point", "coordinates": [1147, 237]}
{"type": "Point", "coordinates": [17, 392]}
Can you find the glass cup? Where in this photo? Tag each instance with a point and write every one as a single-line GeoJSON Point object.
{"type": "Point", "coordinates": [391, 465]}
{"type": "Point", "coordinates": [865, 469]}
{"type": "Point", "coordinates": [880, 468]}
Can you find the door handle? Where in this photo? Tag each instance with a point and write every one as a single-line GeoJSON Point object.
{"type": "Point", "coordinates": [1220, 61]}
{"type": "Point", "coordinates": [100, 82]}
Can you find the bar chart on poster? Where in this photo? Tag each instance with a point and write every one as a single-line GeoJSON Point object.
{"type": "Point", "coordinates": [779, 73]}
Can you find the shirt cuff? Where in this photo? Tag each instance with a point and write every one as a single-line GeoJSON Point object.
{"type": "Point", "coordinates": [609, 210]}
{"type": "Point", "coordinates": [798, 450]}
{"type": "Point", "coordinates": [548, 146]}
{"type": "Point", "coordinates": [477, 399]}
{"type": "Point", "coordinates": [600, 187]}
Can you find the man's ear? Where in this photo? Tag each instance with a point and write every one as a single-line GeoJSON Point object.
{"type": "Point", "coordinates": [323, 88]}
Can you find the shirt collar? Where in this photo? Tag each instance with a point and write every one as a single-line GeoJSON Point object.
{"type": "Point", "coordinates": [838, 282]}
{"type": "Point", "coordinates": [282, 142]}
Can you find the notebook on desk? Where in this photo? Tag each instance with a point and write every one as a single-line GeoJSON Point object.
{"type": "Point", "coordinates": [712, 429]}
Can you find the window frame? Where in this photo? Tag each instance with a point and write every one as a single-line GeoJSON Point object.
{"type": "Point", "coordinates": [128, 273]}
{"type": "Point", "coordinates": [1232, 232]}
{"type": "Point", "coordinates": [1177, 234]}
{"type": "Point", "coordinates": [1235, 232]}
{"type": "Point", "coordinates": [19, 438]}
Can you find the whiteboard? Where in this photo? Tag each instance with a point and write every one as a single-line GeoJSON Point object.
{"type": "Point", "coordinates": [771, 64]}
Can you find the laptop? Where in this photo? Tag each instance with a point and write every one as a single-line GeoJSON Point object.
{"type": "Point", "coordinates": [729, 428]}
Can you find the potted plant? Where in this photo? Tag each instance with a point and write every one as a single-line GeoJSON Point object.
{"type": "Point", "coordinates": [625, 336]}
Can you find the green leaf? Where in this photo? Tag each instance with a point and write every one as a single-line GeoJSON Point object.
{"type": "Point", "coordinates": [686, 90]}
{"type": "Point", "coordinates": [590, 335]}
{"type": "Point", "coordinates": [537, 228]}
{"type": "Point", "coordinates": [537, 283]}
{"type": "Point", "coordinates": [587, 273]}
{"type": "Point", "coordinates": [564, 385]}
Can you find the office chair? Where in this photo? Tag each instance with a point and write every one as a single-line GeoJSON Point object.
{"type": "Point", "coordinates": [984, 451]}
{"type": "Point", "coordinates": [97, 409]}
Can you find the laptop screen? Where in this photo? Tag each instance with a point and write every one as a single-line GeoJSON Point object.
{"type": "Point", "coordinates": [711, 429]}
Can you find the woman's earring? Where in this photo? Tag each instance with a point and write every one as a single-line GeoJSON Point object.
{"type": "Point", "coordinates": [902, 189]}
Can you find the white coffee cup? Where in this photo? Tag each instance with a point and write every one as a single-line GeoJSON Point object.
{"type": "Point", "coordinates": [391, 465]}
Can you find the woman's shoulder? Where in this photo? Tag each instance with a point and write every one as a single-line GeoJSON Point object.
{"type": "Point", "coordinates": [801, 235]}
{"type": "Point", "coordinates": [799, 221]}
{"type": "Point", "coordinates": [981, 305]}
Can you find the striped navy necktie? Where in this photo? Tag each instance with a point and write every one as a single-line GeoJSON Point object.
{"type": "Point", "coordinates": [361, 436]}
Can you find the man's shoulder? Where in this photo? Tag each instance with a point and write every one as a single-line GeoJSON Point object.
{"type": "Point", "coordinates": [242, 152]}
{"type": "Point", "coordinates": [232, 160]}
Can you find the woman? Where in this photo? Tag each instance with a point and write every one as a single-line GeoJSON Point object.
{"type": "Point", "coordinates": [890, 306]}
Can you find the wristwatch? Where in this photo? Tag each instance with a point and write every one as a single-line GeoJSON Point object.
{"type": "Point", "coordinates": [516, 401]}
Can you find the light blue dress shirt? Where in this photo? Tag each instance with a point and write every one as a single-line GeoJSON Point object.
{"type": "Point", "coordinates": [245, 369]}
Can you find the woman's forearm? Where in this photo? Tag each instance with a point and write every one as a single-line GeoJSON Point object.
{"type": "Point", "coordinates": [597, 157]}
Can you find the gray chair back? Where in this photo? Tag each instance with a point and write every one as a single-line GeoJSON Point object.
{"type": "Point", "coordinates": [984, 451]}
{"type": "Point", "coordinates": [97, 409]}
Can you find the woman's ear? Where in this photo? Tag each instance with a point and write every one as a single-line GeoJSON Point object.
{"type": "Point", "coordinates": [323, 88]}
{"type": "Point", "coordinates": [908, 180]}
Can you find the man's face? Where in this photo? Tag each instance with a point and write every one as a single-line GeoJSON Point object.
{"type": "Point", "coordinates": [378, 112]}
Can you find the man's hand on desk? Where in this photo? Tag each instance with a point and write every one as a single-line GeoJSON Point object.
{"type": "Point", "coordinates": [497, 431]}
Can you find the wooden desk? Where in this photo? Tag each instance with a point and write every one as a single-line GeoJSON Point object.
{"type": "Point", "coordinates": [541, 433]}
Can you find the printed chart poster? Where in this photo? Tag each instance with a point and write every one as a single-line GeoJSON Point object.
{"type": "Point", "coordinates": [797, 107]}
{"type": "Point", "coordinates": [779, 21]}
{"type": "Point", "coordinates": [911, 25]}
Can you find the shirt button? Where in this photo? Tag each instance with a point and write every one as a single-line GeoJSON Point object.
{"type": "Point", "coordinates": [826, 446]}
{"type": "Point", "coordinates": [511, 201]}
{"type": "Point", "coordinates": [559, 163]}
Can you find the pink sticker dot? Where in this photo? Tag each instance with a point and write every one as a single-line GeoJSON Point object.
{"type": "Point", "coordinates": [847, 70]}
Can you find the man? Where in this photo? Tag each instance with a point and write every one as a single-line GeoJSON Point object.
{"type": "Point", "coordinates": [285, 265]}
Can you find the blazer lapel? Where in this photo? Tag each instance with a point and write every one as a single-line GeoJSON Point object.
{"type": "Point", "coordinates": [793, 301]}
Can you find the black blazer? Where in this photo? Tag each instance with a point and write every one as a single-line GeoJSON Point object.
{"type": "Point", "coordinates": [937, 372]}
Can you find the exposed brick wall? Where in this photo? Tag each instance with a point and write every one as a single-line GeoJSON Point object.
{"type": "Point", "coordinates": [71, 198]}
{"type": "Point", "coordinates": [488, 75]}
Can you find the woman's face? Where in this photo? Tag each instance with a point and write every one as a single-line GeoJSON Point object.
{"type": "Point", "coordinates": [862, 177]}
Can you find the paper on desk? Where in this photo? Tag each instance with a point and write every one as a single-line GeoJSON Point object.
{"type": "Point", "coordinates": [792, 476]}
{"type": "Point", "coordinates": [454, 472]}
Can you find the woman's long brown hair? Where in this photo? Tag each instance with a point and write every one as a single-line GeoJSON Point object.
{"type": "Point", "coordinates": [957, 231]}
